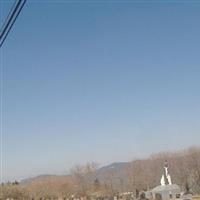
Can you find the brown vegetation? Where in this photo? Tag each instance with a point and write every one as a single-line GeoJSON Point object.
{"type": "Point", "coordinates": [138, 175]}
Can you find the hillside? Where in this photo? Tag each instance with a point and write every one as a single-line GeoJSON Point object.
{"type": "Point", "coordinates": [184, 168]}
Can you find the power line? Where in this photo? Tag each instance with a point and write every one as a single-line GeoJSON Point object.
{"type": "Point", "coordinates": [6, 27]}
{"type": "Point", "coordinates": [10, 20]}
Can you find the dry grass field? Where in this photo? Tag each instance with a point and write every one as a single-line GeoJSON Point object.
{"type": "Point", "coordinates": [196, 197]}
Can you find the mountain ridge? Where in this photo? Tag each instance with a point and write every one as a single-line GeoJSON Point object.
{"type": "Point", "coordinates": [100, 173]}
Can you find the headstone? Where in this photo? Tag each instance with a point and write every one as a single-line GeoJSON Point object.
{"type": "Point", "coordinates": [186, 197]}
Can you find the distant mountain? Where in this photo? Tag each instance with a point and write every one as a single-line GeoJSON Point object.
{"type": "Point", "coordinates": [138, 174]}
{"type": "Point", "coordinates": [42, 178]}
{"type": "Point", "coordinates": [101, 173]}
{"type": "Point", "coordinates": [114, 166]}
{"type": "Point", "coordinates": [117, 170]}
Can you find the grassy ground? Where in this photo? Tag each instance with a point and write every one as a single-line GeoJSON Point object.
{"type": "Point", "coordinates": [196, 198]}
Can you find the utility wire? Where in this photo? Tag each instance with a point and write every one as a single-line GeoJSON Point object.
{"type": "Point", "coordinates": [12, 16]}
{"type": "Point", "coordinates": [8, 18]}
{"type": "Point", "coordinates": [7, 25]}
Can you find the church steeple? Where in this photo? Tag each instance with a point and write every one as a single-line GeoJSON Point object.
{"type": "Point", "coordinates": [166, 178]}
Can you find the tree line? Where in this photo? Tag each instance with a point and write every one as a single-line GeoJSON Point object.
{"type": "Point", "coordinates": [139, 175]}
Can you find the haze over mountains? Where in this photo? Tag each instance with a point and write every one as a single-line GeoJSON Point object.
{"type": "Point", "coordinates": [139, 174]}
{"type": "Point", "coordinates": [100, 173]}
{"type": "Point", "coordinates": [119, 177]}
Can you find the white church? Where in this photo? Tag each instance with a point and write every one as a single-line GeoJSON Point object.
{"type": "Point", "coordinates": [166, 190]}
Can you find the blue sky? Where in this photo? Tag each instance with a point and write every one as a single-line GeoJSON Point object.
{"type": "Point", "coordinates": [98, 81]}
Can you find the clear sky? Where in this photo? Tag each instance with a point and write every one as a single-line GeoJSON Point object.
{"type": "Point", "coordinates": [98, 81]}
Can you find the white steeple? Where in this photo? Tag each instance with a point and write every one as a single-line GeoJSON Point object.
{"type": "Point", "coordinates": [165, 176]}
